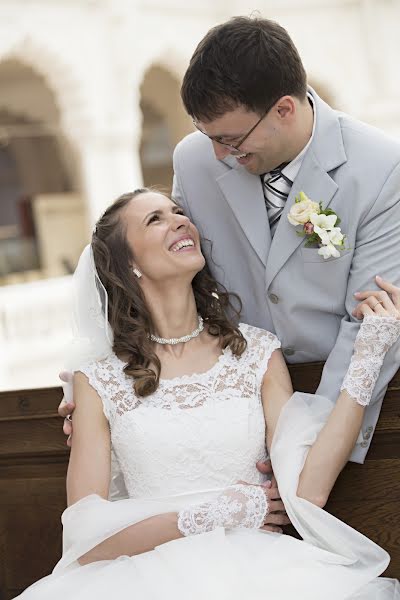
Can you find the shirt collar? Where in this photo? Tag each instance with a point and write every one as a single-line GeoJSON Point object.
{"type": "Point", "coordinates": [291, 170]}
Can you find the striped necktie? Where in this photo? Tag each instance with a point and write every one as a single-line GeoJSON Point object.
{"type": "Point", "coordinates": [276, 188]}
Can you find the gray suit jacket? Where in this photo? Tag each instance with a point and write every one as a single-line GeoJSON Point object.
{"type": "Point", "coordinates": [287, 288]}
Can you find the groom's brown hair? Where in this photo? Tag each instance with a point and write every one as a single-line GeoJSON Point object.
{"type": "Point", "coordinates": [246, 61]}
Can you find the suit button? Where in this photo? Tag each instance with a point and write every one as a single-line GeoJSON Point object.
{"type": "Point", "coordinates": [364, 444]}
{"type": "Point", "coordinates": [368, 432]}
{"type": "Point", "coordinates": [274, 298]}
{"type": "Point", "coordinates": [289, 351]}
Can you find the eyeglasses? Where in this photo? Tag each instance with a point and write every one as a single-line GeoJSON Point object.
{"type": "Point", "coordinates": [219, 139]}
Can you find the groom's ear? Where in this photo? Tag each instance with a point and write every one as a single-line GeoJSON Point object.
{"type": "Point", "coordinates": [286, 107]}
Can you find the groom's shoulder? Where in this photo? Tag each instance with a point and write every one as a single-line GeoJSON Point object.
{"type": "Point", "coordinates": [196, 150]}
{"type": "Point", "coordinates": [364, 141]}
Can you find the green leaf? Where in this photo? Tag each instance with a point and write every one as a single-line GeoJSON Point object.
{"type": "Point", "coordinates": [310, 243]}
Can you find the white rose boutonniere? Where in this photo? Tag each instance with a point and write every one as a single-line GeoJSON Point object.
{"type": "Point", "coordinates": [318, 225]}
{"type": "Point", "coordinates": [302, 210]}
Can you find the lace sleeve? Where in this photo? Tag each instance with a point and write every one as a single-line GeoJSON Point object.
{"type": "Point", "coordinates": [240, 505]}
{"type": "Point", "coordinates": [91, 370]}
{"type": "Point", "coordinates": [260, 346]}
{"type": "Point", "coordinates": [374, 338]}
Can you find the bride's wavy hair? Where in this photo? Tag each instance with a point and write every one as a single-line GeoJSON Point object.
{"type": "Point", "coordinates": [128, 313]}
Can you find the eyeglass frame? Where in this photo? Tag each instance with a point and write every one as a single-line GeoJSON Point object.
{"type": "Point", "coordinates": [242, 139]}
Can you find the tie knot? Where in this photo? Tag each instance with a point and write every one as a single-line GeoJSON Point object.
{"type": "Point", "coordinates": [276, 174]}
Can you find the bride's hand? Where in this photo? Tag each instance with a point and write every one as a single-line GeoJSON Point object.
{"type": "Point", "coordinates": [276, 515]}
{"type": "Point", "coordinates": [381, 303]}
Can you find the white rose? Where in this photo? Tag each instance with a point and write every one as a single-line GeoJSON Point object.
{"type": "Point", "coordinates": [328, 251]}
{"type": "Point", "coordinates": [301, 211]}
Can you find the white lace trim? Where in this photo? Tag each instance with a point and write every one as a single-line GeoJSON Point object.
{"type": "Point", "coordinates": [374, 338]}
{"type": "Point", "coordinates": [238, 506]}
{"type": "Point", "coordinates": [195, 432]}
{"type": "Point", "coordinates": [230, 375]}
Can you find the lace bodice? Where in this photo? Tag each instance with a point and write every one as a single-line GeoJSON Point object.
{"type": "Point", "coordinates": [196, 432]}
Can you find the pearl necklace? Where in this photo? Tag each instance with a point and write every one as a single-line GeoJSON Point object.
{"type": "Point", "coordinates": [181, 340]}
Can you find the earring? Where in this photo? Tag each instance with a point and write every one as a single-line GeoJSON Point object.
{"type": "Point", "coordinates": [137, 272]}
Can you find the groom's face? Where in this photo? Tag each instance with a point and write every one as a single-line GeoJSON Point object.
{"type": "Point", "coordinates": [265, 148]}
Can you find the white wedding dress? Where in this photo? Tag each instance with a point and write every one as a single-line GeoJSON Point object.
{"type": "Point", "coordinates": [192, 438]}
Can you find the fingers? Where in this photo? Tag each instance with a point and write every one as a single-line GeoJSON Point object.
{"type": "Point", "coordinates": [272, 493]}
{"type": "Point", "coordinates": [65, 408]}
{"type": "Point", "coordinates": [264, 467]}
{"type": "Point", "coordinates": [273, 528]}
{"type": "Point", "coordinates": [388, 296]}
{"type": "Point", "coordinates": [66, 376]}
{"type": "Point", "coordinates": [67, 427]}
{"type": "Point", "coordinates": [391, 289]}
{"type": "Point", "coordinates": [379, 303]}
{"type": "Point", "coordinates": [277, 519]}
{"type": "Point", "coordinates": [276, 505]}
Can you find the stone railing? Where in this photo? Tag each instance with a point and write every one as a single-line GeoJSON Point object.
{"type": "Point", "coordinates": [35, 327]}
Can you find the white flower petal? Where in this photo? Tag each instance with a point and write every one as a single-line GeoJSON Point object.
{"type": "Point", "coordinates": [323, 221]}
{"type": "Point", "coordinates": [323, 234]}
{"type": "Point", "coordinates": [336, 236]}
{"type": "Point", "coordinates": [328, 250]}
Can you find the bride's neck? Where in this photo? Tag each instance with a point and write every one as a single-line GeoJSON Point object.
{"type": "Point", "coordinates": [173, 312]}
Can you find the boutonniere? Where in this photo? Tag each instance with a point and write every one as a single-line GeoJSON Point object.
{"type": "Point", "coordinates": [319, 226]}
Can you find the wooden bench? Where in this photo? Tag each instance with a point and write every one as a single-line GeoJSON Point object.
{"type": "Point", "coordinates": [33, 463]}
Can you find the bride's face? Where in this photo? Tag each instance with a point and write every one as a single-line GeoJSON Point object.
{"type": "Point", "coordinates": [164, 242]}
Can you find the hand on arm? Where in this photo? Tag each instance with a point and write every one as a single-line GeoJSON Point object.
{"type": "Point", "coordinates": [331, 450]}
{"type": "Point", "coordinates": [67, 406]}
{"type": "Point", "coordinates": [376, 251]}
{"type": "Point", "coordinates": [241, 505]}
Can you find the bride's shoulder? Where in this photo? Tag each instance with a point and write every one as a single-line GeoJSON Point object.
{"type": "Point", "coordinates": [260, 346]}
{"type": "Point", "coordinates": [256, 334]}
{"type": "Point", "coordinates": [109, 363]}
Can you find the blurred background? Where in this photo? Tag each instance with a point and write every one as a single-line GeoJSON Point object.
{"type": "Point", "coordinates": [90, 108]}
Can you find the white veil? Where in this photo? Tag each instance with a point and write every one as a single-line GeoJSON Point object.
{"type": "Point", "coordinates": [92, 334]}
{"type": "Point", "coordinates": [92, 337]}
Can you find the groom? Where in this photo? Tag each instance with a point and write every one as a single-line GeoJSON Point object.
{"type": "Point", "coordinates": [263, 137]}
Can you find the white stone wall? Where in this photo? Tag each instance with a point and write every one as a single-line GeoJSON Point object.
{"type": "Point", "coordinates": [94, 54]}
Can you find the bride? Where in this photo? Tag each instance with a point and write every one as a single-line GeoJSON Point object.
{"type": "Point", "coordinates": [185, 397]}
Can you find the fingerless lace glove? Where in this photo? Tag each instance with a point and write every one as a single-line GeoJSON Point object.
{"type": "Point", "coordinates": [239, 505]}
{"type": "Point", "coordinates": [374, 338]}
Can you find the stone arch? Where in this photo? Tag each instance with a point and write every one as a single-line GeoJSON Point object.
{"type": "Point", "coordinates": [40, 160]}
{"type": "Point", "coordinates": [164, 123]}
{"type": "Point", "coordinates": [60, 77]}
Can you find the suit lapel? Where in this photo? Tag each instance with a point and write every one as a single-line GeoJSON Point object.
{"type": "Point", "coordinates": [244, 194]}
{"type": "Point", "coordinates": [319, 187]}
{"type": "Point", "coordinates": [325, 153]}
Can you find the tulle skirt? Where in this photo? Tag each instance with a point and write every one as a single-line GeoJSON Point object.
{"type": "Point", "coordinates": [237, 565]}
{"type": "Point", "coordinates": [333, 562]}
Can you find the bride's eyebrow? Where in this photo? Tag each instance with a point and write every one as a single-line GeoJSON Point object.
{"type": "Point", "coordinates": [159, 212]}
{"type": "Point", "coordinates": [151, 214]}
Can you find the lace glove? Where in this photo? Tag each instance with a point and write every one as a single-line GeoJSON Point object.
{"type": "Point", "coordinates": [376, 335]}
{"type": "Point", "coordinates": [239, 505]}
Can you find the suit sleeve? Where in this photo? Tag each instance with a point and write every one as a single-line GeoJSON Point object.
{"type": "Point", "coordinates": [177, 187]}
{"type": "Point", "coordinates": [377, 252]}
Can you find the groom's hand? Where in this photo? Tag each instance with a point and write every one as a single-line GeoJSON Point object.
{"type": "Point", "coordinates": [67, 406]}
{"type": "Point", "coordinates": [265, 468]}
{"type": "Point", "coordinates": [277, 515]}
